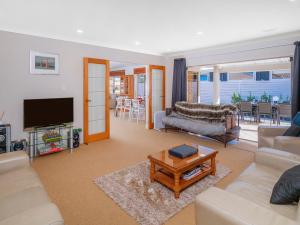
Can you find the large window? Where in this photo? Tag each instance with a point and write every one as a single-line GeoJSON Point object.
{"type": "Point", "coordinates": [255, 85]}
{"type": "Point", "coordinates": [140, 86]}
{"type": "Point", "coordinates": [115, 85]}
{"type": "Point", "coordinates": [252, 80]}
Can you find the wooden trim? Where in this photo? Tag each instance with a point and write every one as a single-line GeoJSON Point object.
{"type": "Point", "coordinates": [117, 73]}
{"type": "Point", "coordinates": [151, 67]}
{"type": "Point", "coordinates": [130, 86]}
{"type": "Point", "coordinates": [140, 70]}
{"type": "Point", "coordinates": [100, 136]}
{"type": "Point", "coordinates": [189, 84]}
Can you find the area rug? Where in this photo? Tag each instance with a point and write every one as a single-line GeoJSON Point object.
{"type": "Point", "coordinates": [151, 203]}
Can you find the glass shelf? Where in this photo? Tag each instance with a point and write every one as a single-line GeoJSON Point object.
{"type": "Point", "coordinates": [62, 139]}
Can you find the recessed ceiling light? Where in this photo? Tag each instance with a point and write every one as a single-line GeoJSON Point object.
{"type": "Point", "coordinates": [137, 43]}
{"type": "Point", "coordinates": [199, 33]}
{"type": "Point", "coordinates": [79, 31]}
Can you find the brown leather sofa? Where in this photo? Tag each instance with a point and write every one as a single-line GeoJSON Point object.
{"type": "Point", "coordinates": [271, 137]}
{"type": "Point", "coordinates": [23, 200]}
{"type": "Point", "coordinates": [246, 200]}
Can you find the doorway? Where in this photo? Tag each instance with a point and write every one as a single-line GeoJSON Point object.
{"type": "Point", "coordinates": [128, 91]}
{"type": "Point", "coordinates": [157, 79]}
{"type": "Point", "coordinates": [96, 100]}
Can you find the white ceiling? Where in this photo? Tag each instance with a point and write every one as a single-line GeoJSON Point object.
{"type": "Point", "coordinates": [160, 26]}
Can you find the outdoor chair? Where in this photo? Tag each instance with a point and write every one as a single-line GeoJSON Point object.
{"type": "Point", "coordinates": [284, 111]}
{"type": "Point", "coordinates": [246, 109]}
{"type": "Point", "coordinates": [264, 109]}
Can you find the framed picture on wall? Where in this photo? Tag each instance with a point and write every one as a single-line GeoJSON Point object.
{"type": "Point", "coordinates": [44, 63]}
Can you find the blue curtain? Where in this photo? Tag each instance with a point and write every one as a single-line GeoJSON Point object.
{"type": "Point", "coordinates": [296, 80]}
{"type": "Point", "coordinates": [179, 81]}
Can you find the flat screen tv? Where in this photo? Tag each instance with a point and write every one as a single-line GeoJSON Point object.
{"type": "Point", "coordinates": [47, 112]}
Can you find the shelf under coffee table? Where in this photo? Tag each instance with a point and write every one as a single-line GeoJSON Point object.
{"type": "Point", "coordinates": [167, 169]}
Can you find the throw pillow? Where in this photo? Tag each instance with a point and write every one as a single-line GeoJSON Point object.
{"type": "Point", "coordinates": [296, 119]}
{"type": "Point", "coordinates": [293, 131]}
{"type": "Point", "coordinates": [287, 188]}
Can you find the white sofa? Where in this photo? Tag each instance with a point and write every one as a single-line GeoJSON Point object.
{"type": "Point", "coordinates": [271, 137]}
{"type": "Point", "coordinates": [247, 200]}
{"type": "Point", "coordinates": [23, 200]}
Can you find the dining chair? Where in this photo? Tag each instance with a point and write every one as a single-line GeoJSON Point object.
{"type": "Point", "coordinates": [246, 109]}
{"type": "Point", "coordinates": [284, 111]}
{"type": "Point", "coordinates": [264, 109]}
{"type": "Point", "coordinates": [135, 109]}
{"type": "Point", "coordinates": [119, 106]}
{"type": "Point", "coordinates": [128, 107]}
{"type": "Point", "coordinates": [142, 110]}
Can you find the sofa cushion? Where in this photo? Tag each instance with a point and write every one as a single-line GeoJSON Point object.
{"type": "Point", "coordinates": [197, 127]}
{"type": "Point", "coordinates": [266, 141]}
{"type": "Point", "coordinates": [287, 188]}
{"type": "Point", "coordinates": [18, 202]}
{"type": "Point", "coordinates": [13, 160]}
{"type": "Point", "coordinates": [45, 214]}
{"type": "Point", "coordinates": [256, 184]}
{"type": "Point", "coordinates": [296, 119]}
{"type": "Point", "coordinates": [18, 180]}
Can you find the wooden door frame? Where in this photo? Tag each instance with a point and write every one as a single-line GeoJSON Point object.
{"type": "Point", "coordinates": [187, 85]}
{"type": "Point", "coordinates": [96, 137]}
{"type": "Point", "coordinates": [163, 68]}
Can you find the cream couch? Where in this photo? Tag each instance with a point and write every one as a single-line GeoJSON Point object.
{"type": "Point", "coordinates": [23, 200]}
{"type": "Point", "coordinates": [272, 137]}
{"type": "Point", "coordinates": [246, 201]}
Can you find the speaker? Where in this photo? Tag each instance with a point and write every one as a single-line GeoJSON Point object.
{"type": "Point", "coordinates": [18, 145]}
{"type": "Point", "coordinates": [75, 140]}
{"type": "Point", "coordinates": [5, 138]}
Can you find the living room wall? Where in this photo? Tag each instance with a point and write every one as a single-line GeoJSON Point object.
{"type": "Point", "coordinates": [17, 83]}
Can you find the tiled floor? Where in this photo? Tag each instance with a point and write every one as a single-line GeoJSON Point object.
{"type": "Point", "coordinates": [249, 129]}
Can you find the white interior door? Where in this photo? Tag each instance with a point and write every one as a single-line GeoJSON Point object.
{"type": "Point", "coordinates": [96, 100]}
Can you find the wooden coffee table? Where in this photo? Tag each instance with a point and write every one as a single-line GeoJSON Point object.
{"type": "Point", "coordinates": [167, 169]}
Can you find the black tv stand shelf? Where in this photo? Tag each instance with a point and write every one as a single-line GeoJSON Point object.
{"type": "Point", "coordinates": [48, 140]}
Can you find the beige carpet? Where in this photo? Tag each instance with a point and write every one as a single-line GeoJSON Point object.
{"type": "Point", "coordinates": [68, 177]}
{"type": "Point", "coordinates": [151, 203]}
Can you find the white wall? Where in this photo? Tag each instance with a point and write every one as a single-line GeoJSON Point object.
{"type": "Point", "coordinates": [16, 82]}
